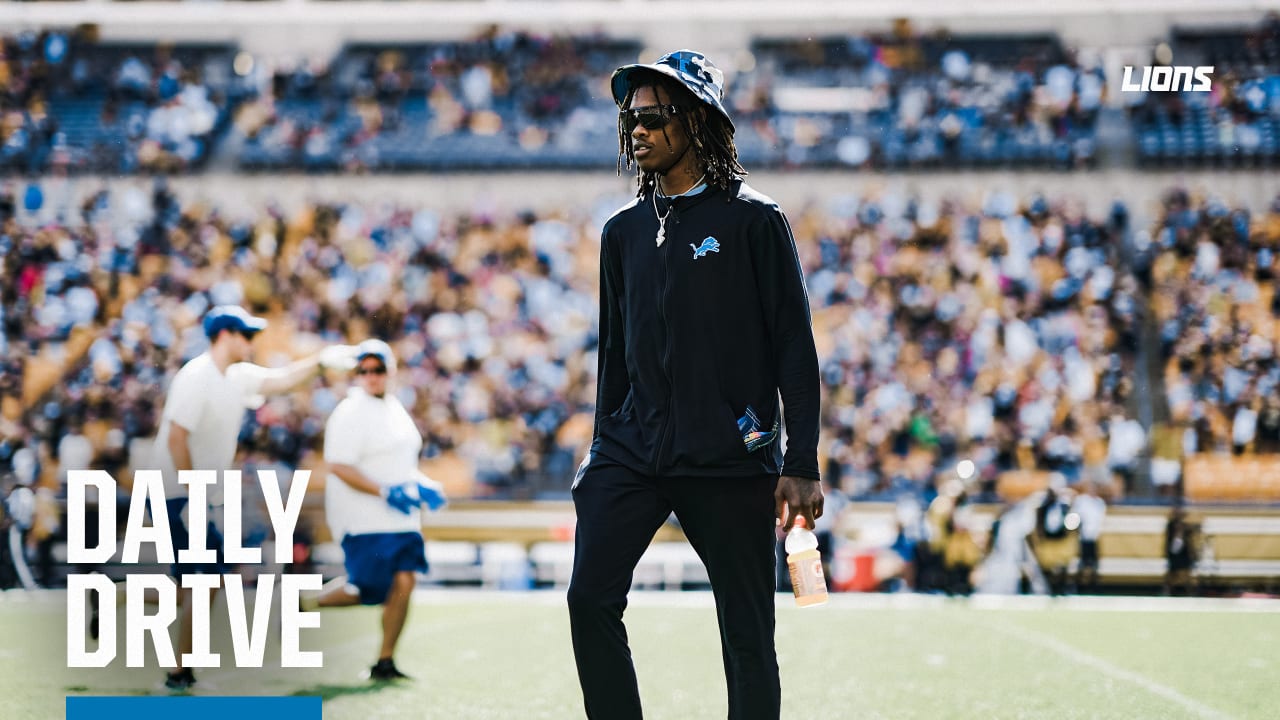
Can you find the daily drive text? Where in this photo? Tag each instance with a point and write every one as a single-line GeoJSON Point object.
{"type": "Point", "coordinates": [249, 614]}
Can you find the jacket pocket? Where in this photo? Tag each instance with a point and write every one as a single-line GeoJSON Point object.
{"type": "Point", "coordinates": [728, 437]}
{"type": "Point", "coordinates": [757, 430]}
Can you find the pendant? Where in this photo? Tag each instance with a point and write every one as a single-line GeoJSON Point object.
{"type": "Point", "coordinates": [662, 233]}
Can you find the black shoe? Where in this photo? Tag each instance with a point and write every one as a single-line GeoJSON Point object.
{"type": "Point", "coordinates": [386, 670]}
{"type": "Point", "coordinates": [180, 681]}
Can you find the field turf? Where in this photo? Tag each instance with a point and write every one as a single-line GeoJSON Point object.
{"type": "Point", "coordinates": [480, 655]}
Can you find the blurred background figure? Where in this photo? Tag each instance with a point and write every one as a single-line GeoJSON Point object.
{"type": "Point", "coordinates": [1181, 537]}
{"type": "Point", "coordinates": [827, 526]}
{"type": "Point", "coordinates": [1053, 541]}
{"type": "Point", "coordinates": [1010, 564]}
{"type": "Point", "coordinates": [908, 542]}
{"type": "Point", "coordinates": [1126, 441]}
{"type": "Point", "coordinates": [952, 541]}
{"type": "Point", "coordinates": [19, 516]}
{"type": "Point", "coordinates": [963, 550]}
{"type": "Point", "coordinates": [1091, 511]}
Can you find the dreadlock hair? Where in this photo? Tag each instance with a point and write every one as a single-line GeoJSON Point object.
{"type": "Point", "coordinates": [709, 133]}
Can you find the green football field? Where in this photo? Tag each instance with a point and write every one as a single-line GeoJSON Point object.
{"type": "Point", "coordinates": [477, 655]}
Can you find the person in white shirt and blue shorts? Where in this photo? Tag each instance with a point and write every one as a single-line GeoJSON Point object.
{"type": "Point", "coordinates": [204, 409]}
{"type": "Point", "coordinates": [373, 497]}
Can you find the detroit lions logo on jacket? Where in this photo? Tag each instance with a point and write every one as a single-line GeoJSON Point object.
{"type": "Point", "coordinates": [709, 245]}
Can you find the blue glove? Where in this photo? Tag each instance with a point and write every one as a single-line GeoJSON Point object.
{"type": "Point", "coordinates": [397, 498]}
{"type": "Point", "coordinates": [432, 494]}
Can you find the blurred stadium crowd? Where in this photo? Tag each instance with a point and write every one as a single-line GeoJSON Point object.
{"type": "Point", "coordinates": [1019, 332]}
{"type": "Point", "coordinates": [508, 99]}
{"type": "Point", "coordinates": [1006, 332]}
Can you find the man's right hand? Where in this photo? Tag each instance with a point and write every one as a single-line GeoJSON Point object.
{"type": "Point", "coordinates": [797, 497]}
{"type": "Point", "coordinates": [398, 498]}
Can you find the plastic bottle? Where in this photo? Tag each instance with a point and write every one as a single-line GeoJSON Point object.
{"type": "Point", "coordinates": [807, 580]}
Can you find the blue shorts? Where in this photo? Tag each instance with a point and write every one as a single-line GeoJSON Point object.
{"type": "Point", "coordinates": [373, 559]}
{"type": "Point", "coordinates": [181, 538]}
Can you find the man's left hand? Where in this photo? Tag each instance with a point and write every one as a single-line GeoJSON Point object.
{"type": "Point", "coordinates": [430, 492]}
{"type": "Point", "coordinates": [797, 496]}
{"type": "Point", "coordinates": [338, 357]}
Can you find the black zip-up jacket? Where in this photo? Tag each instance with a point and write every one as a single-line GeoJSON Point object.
{"type": "Point", "coordinates": [695, 332]}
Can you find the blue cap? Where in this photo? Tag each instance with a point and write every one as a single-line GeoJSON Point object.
{"type": "Point", "coordinates": [231, 317]}
{"type": "Point", "coordinates": [690, 68]}
{"type": "Point", "coordinates": [374, 347]}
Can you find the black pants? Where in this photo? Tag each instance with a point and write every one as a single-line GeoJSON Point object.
{"type": "Point", "coordinates": [730, 523]}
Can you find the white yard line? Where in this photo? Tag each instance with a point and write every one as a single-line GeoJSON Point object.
{"type": "Point", "coordinates": [1107, 668]}
{"type": "Point", "coordinates": [1126, 603]}
{"type": "Point", "coordinates": [55, 599]}
{"type": "Point", "coordinates": [871, 601]}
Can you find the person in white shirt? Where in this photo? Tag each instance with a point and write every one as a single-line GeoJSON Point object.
{"type": "Point", "coordinates": [372, 496]}
{"type": "Point", "coordinates": [1091, 510]}
{"type": "Point", "coordinates": [1127, 440]}
{"type": "Point", "coordinates": [200, 426]}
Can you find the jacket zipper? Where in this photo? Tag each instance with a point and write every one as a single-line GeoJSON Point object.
{"type": "Point", "coordinates": [666, 355]}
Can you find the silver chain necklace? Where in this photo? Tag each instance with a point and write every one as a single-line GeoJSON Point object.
{"type": "Point", "coordinates": [662, 219]}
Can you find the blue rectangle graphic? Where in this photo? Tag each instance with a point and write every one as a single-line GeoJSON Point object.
{"type": "Point", "coordinates": [193, 708]}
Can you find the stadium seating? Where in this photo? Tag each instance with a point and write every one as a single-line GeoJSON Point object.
{"type": "Point", "coordinates": [498, 102]}
{"type": "Point", "coordinates": [892, 101]}
{"type": "Point", "coordinates": [513, 99]}
{"type": "Point", "coordinates": [1235, 546]}
{"type": "Point", "coordinates": [923, 101]}
{"type": "Point", "coordinates": [1236, 126]}
{"type": "Point", "coordinates": [1232, 479]}
{"type": "Point", "coordinates": [88, 106]}
{"type": "Point", "coordinates": [1023, 331]}
{"type": "Point", "coordinates": [918, 372]}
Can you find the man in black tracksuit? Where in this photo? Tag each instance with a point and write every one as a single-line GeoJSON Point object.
{"type": "Point", "coordinates": [704, 321]}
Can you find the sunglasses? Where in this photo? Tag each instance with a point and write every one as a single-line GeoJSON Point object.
{"type": "Point", "coordinates": [652, 117]}
{"type": "Point", "coordinates": [372, 371]}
